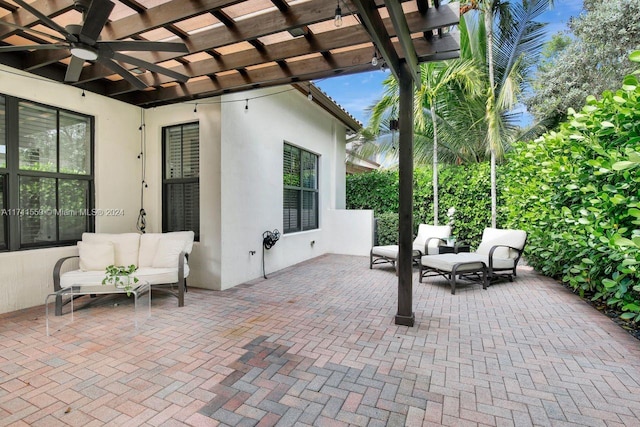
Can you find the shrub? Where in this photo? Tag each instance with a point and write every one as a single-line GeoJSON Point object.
{"type": "Point", "coordinates": [374, 190]}
{"type": "Point", "coordinates": [387, 228]}
{"type": "Point", "coordinates": [576, 191]}
{"type": "Point", "coordinates": [466, 188]}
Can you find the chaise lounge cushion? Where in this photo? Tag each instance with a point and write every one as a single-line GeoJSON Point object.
{"type": "Point", "coordinates": [445, 262]}
{"type": "Point", "coordinates": [432, 232]}
{"type": "Point", "coordinates": [388, 251]}
{"type": "Point", "coordinates": [506, 237]}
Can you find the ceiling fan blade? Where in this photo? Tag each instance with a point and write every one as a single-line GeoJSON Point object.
{"type": "Point", "coordinates": [74, 69]}
{"type": "Point", "coordinates": [46, 20]}
{"type": "Point", "coordinates": [144, 45]}
{"type": "Point", "coordinates": [32, 47]}
{"type": "Point", "coordinates": [150, 66]}
{"type": "Point", "coordinates": [31, 30]}
{"type": "Point", "coordinates": [97, 17]}
{"type": "Point", "coordinates": [117, 68]}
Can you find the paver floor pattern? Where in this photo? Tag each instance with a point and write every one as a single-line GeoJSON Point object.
{"type": "Point", "coordinates": [316, 344]}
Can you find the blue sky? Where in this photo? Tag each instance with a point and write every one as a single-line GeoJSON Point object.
{"type": "Point", "coordinates": [356, 93]}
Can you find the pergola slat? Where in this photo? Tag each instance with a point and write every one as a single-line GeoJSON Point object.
{"type": "Point", "coordinates": [337, 38]}
{"type": "Point", "coordinates": [355, 61]}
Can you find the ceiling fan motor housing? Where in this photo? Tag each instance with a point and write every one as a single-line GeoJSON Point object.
{"type": "Point", "coordinates": [82, 6]}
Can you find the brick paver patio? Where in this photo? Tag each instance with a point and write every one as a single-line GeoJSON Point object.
{"type": "Point", "coordinates": [316, 345]}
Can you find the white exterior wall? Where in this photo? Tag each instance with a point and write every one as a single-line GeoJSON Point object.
{"type": "Point", "coordinates": [252, 184]}
{"type": "Point", "coordinates": [26, 276]}
{"type": "Point", "coordinates": [205, 260]}
{"type": "Point", "coordinates": [241, 185]}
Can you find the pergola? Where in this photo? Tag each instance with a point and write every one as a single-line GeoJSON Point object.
{"type": "Point", "coordinates": [236, 45]}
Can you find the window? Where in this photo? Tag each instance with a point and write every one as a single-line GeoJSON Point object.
{"type": "Point", "coordinates": [300, 201]}
{"type": "Point", "coordinates": [181, 178]}
{"type": "Point", "coordinates": [46, 175]}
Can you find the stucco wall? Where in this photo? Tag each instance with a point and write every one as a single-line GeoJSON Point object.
{"type": "Point", "coordinates": [252, 185]}
{"type": "Point", "coordinates": [205, 260]}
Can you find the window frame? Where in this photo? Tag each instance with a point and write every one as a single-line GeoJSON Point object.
{"type": "Point", "coordinates": [167, 182]}
{"type": "Point", "coordinates": [302, 190]}
{"type": "Point", "coordinates": [12, 175]}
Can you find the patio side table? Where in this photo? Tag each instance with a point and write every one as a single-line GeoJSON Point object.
{"type": "Point", "coordinates": [453, 249]}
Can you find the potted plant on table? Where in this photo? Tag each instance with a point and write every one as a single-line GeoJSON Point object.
{"type": "Point", "coordinates": [120, 277]}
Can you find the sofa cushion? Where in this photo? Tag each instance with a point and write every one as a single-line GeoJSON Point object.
{"type": "Point", "coordinates": [155, 276]}
{"type": "Point", "coordinates": [125, 245]}
{"type": "Point", "coordinates": [95, 256]}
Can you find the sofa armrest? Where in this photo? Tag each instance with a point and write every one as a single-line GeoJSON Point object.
{"type": "Point", "coordinates": [182, 259]}
{"type": "Point", "coordinates": [56, 271]}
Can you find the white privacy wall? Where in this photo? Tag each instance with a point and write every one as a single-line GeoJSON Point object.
{"type": "Point", "coordinates": [26, 276]}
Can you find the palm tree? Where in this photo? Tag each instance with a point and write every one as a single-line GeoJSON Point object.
{"type": "Point", "coordinates": [438, 79]}
{"type": "Point", "coordinates": [512, 47]}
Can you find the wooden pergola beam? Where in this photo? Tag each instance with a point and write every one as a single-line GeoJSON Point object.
{"type": "Point", "coordinates": [372, 21]}
{"type": "Point", "coordinates": [404, 36]}
{"type": "Point", "coordinates": [24, 18]}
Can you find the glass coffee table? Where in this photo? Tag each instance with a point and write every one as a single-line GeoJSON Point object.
{"type": "Point", "coordinates": [139, 291]}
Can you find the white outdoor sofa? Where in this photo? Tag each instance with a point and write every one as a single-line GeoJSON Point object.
{"type": "Point", "coordinates": [161, 259]}
{"type": "Point", "coordinates": [496, 258]}
{"type": "Point", "coordinates": [426, 243]}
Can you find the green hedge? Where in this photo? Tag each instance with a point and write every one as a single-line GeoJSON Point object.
{"type": "Point", "coordinates": [576, 192]}
{"type": "Point", "coordinates": [465, 188]}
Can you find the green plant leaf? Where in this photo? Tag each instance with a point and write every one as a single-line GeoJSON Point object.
{"type": "Point", "coordinates": [624, 242]}
{"type": "Point", "coordinates": [618, 166]}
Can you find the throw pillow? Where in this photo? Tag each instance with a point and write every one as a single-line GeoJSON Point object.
{"type": "Point", "coordinates": [95, 256]}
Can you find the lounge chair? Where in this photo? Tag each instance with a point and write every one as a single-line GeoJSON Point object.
{"type": "Point", "coordinates": [496, 258]}
{"type": "Point", "coordinates": [426, 243]}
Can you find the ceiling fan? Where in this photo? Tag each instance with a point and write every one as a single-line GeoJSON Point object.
{"type": "Point", "coordinates": [84, 44]}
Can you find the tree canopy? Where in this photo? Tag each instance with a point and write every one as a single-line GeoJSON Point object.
{"type": "Point", "coordinates": [591, 58]}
